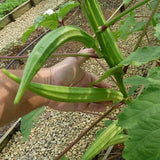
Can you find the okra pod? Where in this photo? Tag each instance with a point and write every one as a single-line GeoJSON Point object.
{"type": "Point", "coordinates": [46, 46]}
{"type": "Point", "coordinates": [71, 94]}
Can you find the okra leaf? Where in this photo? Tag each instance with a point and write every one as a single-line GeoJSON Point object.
{"type": "Point", "coordinates": [138, 27]}
{"type": "Point", "coordinates": [152, 4]}
{"type": "Point", "coordinates": [132, 90]}
{"type": "Point", "coordinates": [65, 8]}
{"type": "Point", "coordinates": [98, 133]}
{"type": "Point", "coordinates": [141, 120]}
{"type": "Point", "coordinates": [157, 31]}
{"type": "Point", "coordinates": [142, 55]}
{"type": "Point", "coordinates": [50, 21]}
{"type": "Point", "coordinates": [46, 46]}
{"type": "Point", "coordinates": [28, 120]}
{"type": "Point", "coordinates": [28, 33]}
{"type": "Point", "coordinates": [38, 20]}
{"type": "Point", "coordinates": [127, 1]}
{"type": "Point", "coordinates": [136, 81]}
{"type": "Point", "coordinates": [156, 18]}
{"type": "Point", "coordinates": [125, 28]}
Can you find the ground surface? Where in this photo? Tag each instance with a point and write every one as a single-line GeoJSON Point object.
{"type": "Point", "coordinates": [56, 129]}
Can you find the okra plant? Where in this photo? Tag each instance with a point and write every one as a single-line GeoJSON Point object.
{"type": "Point", "coordinates": [141, 116]}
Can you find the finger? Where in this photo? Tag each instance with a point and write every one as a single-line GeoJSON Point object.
{"type": "Point", "coordinates": [81, 107]}
{"type": "Point", "coordinates": [81, 60]}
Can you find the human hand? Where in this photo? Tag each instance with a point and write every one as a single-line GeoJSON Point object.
{"type": "Point", "coordinates": [69, 73]}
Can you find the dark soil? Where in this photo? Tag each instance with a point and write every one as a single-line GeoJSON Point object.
{"type": "Point", "coordinates": [75, 17]}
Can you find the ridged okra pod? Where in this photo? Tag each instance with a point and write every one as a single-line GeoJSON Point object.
{"type": "Point", "coordinates": [71, 94]}
{"type": "Point", "coordinates": [109, 48]}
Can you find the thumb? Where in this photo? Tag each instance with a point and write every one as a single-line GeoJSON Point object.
{"type": "Point", "coordinates": [81, 60]}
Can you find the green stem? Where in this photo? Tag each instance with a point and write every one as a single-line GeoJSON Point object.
{"type": "Point", "coordinates": [107, 24]}
{"type": "Point", "coordinates": [109, 48]}
{"type": "Point", "coordinates": [147, 25]}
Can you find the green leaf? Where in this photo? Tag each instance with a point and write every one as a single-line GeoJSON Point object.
{"type": "Point", "coordinates": [108, 122]}
{"type": "Point", "coordinates": [142, 121]}
{"type": "Point", "coordinates": [98, 133]}
{"type": "Point", "coordinates": [28, 33]}
{"type": "Point", "coordinates": [157, 31]}
{"type": "Point", "coordinates": [138, 27]}
{"type": "Point", "coordinates": [38, 20]}
{"type": "Point", "coordinates": [124, 29]}
{"type": "Point", "coordinates": [127, 1]}
{"type": "Point", "coordinates": [152, 4]}
{"type": "Point", "coordinates": [65, 8]}
{"type": "Point", "coordinates": [28, 120]}
{"type": "Point", "coordinates": [132, 90]}
{"type": "Point", "coordinates": [156, 18]}
{"type": "Point", "coordinates": [50, 21]}
{"type": "Point", "coordinates": [142, 55]}
{"type": "Point", "coordinates": [136, 81]}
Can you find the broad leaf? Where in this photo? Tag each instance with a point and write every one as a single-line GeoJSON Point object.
{"type": "Point", "coordinates": [156, 18]}
{"type": "Point", "coordinates": [124, 29]}
{"type": "Point", "coordinates": [142, 121]}
{"type": "Point", "coordinates": [108, 122]}
{"type": "Point", "coordinates": [138, 27]}
{"type": "Point", "coordinates": [28, 120]}
{"type": "Point", "coordinates": [38, 20]}
{"type": "Point", "coordinates": [65, 8]}
{"type": "Point", "coordinates": [28, 33]}
{"type": "Point", "coordinates": [98, 133]}
{"type": "Point", "coordinates": [157, 31]}
{"type": "Point", "coordinates": [127, 1]}
{"type": "Point", "coordinates": [50, 21]}
{"type": "Point", "coordinates": [136, 81]}
{"type": "Point", "coordinates": [142, 55]}
{"type": "Point", "coordinates": [152, 4]}
{"type": "Point", "coordinates": [132, 90]}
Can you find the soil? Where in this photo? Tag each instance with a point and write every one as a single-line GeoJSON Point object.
{"type": "Point", "coordinates": [75, 17]}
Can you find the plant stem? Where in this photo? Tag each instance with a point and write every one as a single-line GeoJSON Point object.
{"type": "Point", "coordinates": [144, 31]}
{"type": "Point", "coordinates": [87, 130]}
{"type": "Point", "coordinates": [147, 25]}
{"type": "Point", "coordinates": [107, 24]}
{"type": "Point", "coordinates": [109, 48]}
{"type": "Point", "coordinates": [55, 55]}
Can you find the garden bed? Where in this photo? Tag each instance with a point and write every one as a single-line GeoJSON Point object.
{"type": "Point", "coordinates": [10, 11]}
{"type": "Point", "coordinates": [56, 130]}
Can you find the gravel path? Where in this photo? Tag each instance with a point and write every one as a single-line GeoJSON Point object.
{"type": "Point", "coordinates": [58, 129]}
{"type": "Point", "coordinates": [15, 30]}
